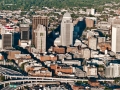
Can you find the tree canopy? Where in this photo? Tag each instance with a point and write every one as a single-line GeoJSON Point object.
{"type": "Point", "coordinates": [27, 4]}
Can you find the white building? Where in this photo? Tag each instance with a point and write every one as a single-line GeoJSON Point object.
{"type": "Point", "coordinates": [92, 11]}
{"type": "Point", "coordinates": [116, 38]}
{"type": "Point", "coordinates": [113, 70]}
{"type": "Point", "coordinates": [40, 38]}
{"type": "Point", "coordinates": [66, 30]}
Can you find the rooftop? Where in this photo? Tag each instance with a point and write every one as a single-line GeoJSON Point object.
{"type": "Point", "coordinates": [67, 14]}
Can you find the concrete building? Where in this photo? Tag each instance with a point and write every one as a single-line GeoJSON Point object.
{"type": "Point", "coordinates": [23, 56]}
{"type": "Point", "coordinates": [90, 11]}
{"type": "Point", "coordinates": [7, 40]}
{"type": "Point", "coordinates": [92, 43]}
{"type": "Point", "coordinates": [24, 43]}
{"type": "Point", "coordinates": [1, 57]}
{"type": "Point", "coordinates": [91, 71]}
{"type": "Point", "coordinates": [24, 29]}
{"type": "Point", "coordinates": [71, 62]}
{"type": "Point", "coordinates": [11, 54]}
{"type": "Point", "coordinates": [60, 56]}
{"type": "Point", "coordinates": [86, 53]}
{"type": "Point", "coordinates": [101, 39]}
{"type": "Point", "coordinates": [104, 46]}
{"type": "Point", "coordinates": [7, 28]}
{"type": "Point", "coordinates": [79, 72]}
{"type": "Point", "coordinates": [1, 44]}
{"type": "Point", "coordinates": [71, 49]}
{"type": "Point", "coordinates": [40, 38]}
{"type": "Point", "coordinates": [62, 69]}
{"type": "Point", "coordinates": [57, 41]}
{"type": "Point", "coordinates": [103, 25]}
{"type": "Point", "coordinates": [115, 39]}
{"type": "Point", "coordinates": [77, 55]}
{"type": "Point", "coordinates": [93, 18]}
{"type": "Point", "coordinates": [43, 20]}
{"type": "Point", "coordinates": [59, 50]}
{"type": "Point", "coordinates": [94, 53]}
{"type": "Point", "coordinates": [67, 30]}
{"type": "Point", "coordinates": [47, 58]}
{"type": "Point", "coordinates": [43, 72]}
{"type": "Point", "coordinates": [89, 23]}
{"type": "Point", "coordinates": [112, 71]}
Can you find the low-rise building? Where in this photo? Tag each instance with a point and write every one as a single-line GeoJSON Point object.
{"type": "Point", "coordinates": [72, 49]}
{"type": "Point", "coordinates": [101, 39]}
{"type": "Point", "coordinates": [62, 69]}
{"type": "Point", "coordinates": [43, 72]}
{"type": "Point", "coordinates": [79, 73]}
{"type": "Point", "coordinates": [89, 22]}
{"type": "Point", "coordinates": [104, 46]}
{"type": "Point", "coordinates": [26, 56]}
{"type": "Point", "coordinates": [91, 71]}
{"type": "Point", "coordinates": [92, 43]}
{"type": "Point", "coordinates": [77, 55]}
{"type": "Point", "coordinates": [86, 53]}
{"type": "Point", "coordinates": [11, 54]}
{"type": "Point", "coordinates": [59, 50]}
{"type": "Point", "coordinates": [71, 62]}
{"type": "Point", "coordinates": [48, 58]}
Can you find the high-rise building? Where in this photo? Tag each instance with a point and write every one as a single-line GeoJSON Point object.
{"type": "Point", "coordinates": [7, 40]}
{"type": "Point", "coordinates": [67, 30]}
{"type": "Point", "coordinates": [43, 20]}
{"type": "Point", "coordinates": [24, 29]}
{"type": "Point", "coordinates": [116, 39]}
{"type": "Point", "coordinates": [113, 70]}
{"type": "Point", "coordinates": [40, 38]}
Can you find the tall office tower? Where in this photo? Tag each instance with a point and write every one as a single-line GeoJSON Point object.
{"type": "Point", "coordinates": [43, 20]}
{"type": "Point", "coordinates": [7, 40]}
{"type": "Point", "coordinates": [40, 38]}
{"type": "Point", "coordinates": [67, 30]}
{"type": "Point", "coordinates": [24, 29]}
{"type": "Point", "coordinates": [116, 38]}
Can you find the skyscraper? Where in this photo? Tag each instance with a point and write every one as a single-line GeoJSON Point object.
{"type": "Point", "coordinates": [43, 20]}
{"type": "Point", "coordinates": [24, 29]}
{"type": "Point", "coordinates": [66, 30]}
{"type": "Point", "coordinates": [40, 38]}
{"type": "Point", "coordinates": [7, 40]}
{"type": "Point", "coordinates": [116, 38]}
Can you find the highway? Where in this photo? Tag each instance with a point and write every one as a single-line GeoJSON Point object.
{"type": "Point", "coordinates": [27, 84]}
{"type": "Point", "coordinates": [7, 71]}
{"type": "Point", "coordinates": [19, 78]}
{"type": "Point", "coordinates": [35, 83]}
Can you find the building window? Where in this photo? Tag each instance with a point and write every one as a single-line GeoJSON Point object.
{"type": "Point", "coordinates": [41, 34]}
